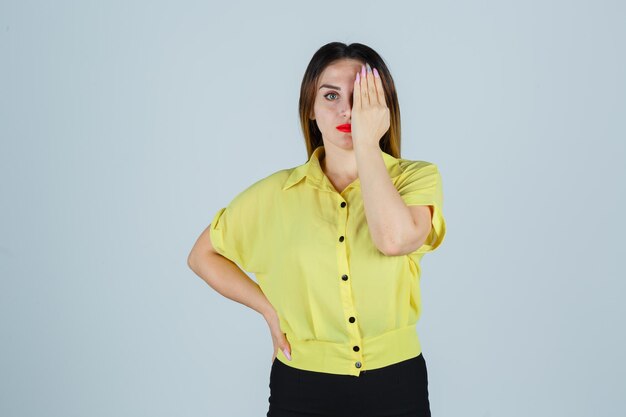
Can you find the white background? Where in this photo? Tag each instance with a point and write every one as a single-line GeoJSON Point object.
{"type": "Point", "coordinates": [125, 126]}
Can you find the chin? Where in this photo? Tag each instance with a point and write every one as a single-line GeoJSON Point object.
{"type": "Point", "coordinates": [343, 142]}
{"type": "Point", "coordinates": [346, 144]}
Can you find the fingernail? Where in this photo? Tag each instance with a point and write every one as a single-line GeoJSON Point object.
{"type": "Point", "coordinates": [287, 353]}
{"type": "Point", "coordinates": [369, 69]}
{"type": "Point", "coordinates": [358, 77]}
{"type": "Point", "coordinates": [362, 70]}
{"type": "Point", "coordinates": [376, 74]}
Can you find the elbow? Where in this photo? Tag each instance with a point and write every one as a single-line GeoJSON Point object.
{"type": "Point", "coordinates": [390, 248]}
{"type": "Point", "coordinates": [199, 259]}
{"type": "Point", "coordinates": [190, 263]}
{"type": "Point", "coordinates": [398, 247]}
{"type": "Point", "coordinates": [192, 260]}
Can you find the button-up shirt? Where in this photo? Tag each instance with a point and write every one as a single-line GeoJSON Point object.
{"type": "Point", "coordinates": [344, 306]}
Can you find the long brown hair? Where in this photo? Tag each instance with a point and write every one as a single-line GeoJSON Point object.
{"type": "Point", "coordinates": [328, 54]}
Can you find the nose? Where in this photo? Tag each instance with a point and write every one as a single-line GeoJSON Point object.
{"type": "Point", "coordinates": [347, 111]}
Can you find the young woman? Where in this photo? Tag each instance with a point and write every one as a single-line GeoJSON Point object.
{"type": "Point", "coordinates": [335, 245]}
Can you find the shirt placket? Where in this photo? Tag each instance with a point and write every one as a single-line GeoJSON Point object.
{"type": "Point", "coordinates": [350, 314]}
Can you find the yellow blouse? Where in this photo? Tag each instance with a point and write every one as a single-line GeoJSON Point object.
{"type": "Point", "coordinates": [345, 306]}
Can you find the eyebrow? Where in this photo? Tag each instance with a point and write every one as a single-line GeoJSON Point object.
{"type": "Point", "coordinates": [330, 86]}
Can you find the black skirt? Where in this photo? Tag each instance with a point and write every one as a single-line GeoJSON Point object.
{"type": "Point", "coordinates": [397, 390]}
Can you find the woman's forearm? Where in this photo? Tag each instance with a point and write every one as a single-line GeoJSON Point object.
{"type": "Point", "coordinates": [225, 277]}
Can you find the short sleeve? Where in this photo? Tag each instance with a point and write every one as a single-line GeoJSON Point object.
{"type": "Point", "coordinates": [420, 184]}
{"type": "Point", "coordinates": [236, 230]}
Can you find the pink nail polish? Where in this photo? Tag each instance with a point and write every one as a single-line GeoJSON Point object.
{"type": "Point", "coordinates": [287, 353]}
{"type": "Point", "coordinates": [358, 77]}
{"type": "Point", "coordinates": [376, 73]}
{"type": "Point", "coordinates": [362, 70]}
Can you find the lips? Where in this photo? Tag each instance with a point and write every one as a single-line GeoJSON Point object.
{"type": "Point", "coordinates": [345, 127]}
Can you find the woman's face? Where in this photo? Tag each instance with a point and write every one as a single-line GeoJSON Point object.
{"type": "Point", "coordinates": [333, 101]}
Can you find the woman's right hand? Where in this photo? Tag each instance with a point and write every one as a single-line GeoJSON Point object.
{"type": "Point", "coordinates": [278, 337]}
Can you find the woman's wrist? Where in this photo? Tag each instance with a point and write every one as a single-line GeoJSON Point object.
{"type": "Point", "coordinates": [269, 313]}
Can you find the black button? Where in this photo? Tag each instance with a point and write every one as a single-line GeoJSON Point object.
{"type": "Point", "coordinates": [343, 204]}
{"type": "Point", "coordinates": [344, 277]}
{"type": "Point", "coordinates": [358, 364]}
{"type": "Point", "coordinates": [355, 348]}
{"type": "Point", "coordinates": [341, 238]}
{"type": "Point", "coordinates": [351, 319]}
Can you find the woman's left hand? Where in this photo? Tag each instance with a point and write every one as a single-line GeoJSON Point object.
{"type": "Point", "coordinates": [370, 114]}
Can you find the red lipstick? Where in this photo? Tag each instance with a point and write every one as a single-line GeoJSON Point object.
{"type": "Point", "coordinates": [345, 127]}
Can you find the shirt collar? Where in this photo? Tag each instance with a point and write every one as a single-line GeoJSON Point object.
{"type": "Point", "coordinates": [313, 170]}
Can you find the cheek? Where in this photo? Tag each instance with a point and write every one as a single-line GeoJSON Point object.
{"type": "Point", "coordinates": [324, 111]}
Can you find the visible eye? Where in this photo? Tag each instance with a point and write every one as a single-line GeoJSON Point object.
{"type": "Point", "coordinates": [326, 95]}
